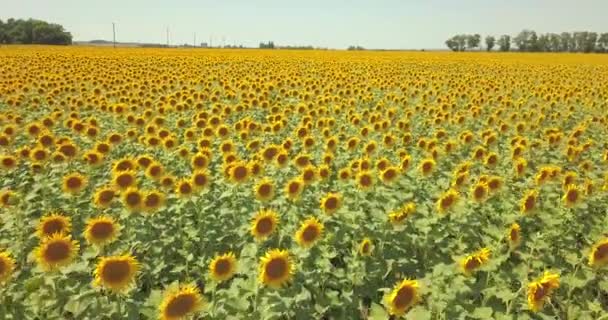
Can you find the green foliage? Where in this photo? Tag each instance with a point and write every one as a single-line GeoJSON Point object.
{"type": "Point", "coordinates": [33, 31]}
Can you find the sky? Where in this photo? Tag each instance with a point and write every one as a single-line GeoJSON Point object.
{"type": "Point", "coordinates": [389, 24]}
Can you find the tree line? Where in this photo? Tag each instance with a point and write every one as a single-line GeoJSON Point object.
{"type": "Point", "coordinates": [32, 31]}
{"type": "Point", "coordinates": [530, 41]}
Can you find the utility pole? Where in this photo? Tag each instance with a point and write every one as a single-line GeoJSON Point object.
{"type": "Point", "coordinates": [114, 34]}
{"type": "Point", "coordinates": [194, 43]}
{"type": "Point", "coordinates": [167, 37]}
{"type": "Point", "coordinates": [210, 41]}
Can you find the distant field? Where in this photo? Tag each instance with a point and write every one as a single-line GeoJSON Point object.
{"type": "Point", "coordinates": [279, 184]}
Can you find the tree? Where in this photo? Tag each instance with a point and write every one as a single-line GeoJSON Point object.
{"type": "Point", "coordinates": [490, 43]}
{"type": "Point", "coordinates": [555, 42]}
{"type": "Point", "coordinates": [590, 42]}
{"type": "Point", "coordinates": [457, 43]}
{"type": "Point", "coordinates": [473, 41]}
{"type": "Point", "coordinates": [504, 43]}
{"type": "Point", "coordinates": [602, 42]}
{"type": "Point", "coordinates": [33, 31]}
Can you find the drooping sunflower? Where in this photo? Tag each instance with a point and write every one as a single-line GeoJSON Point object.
{"type": "Point", "coordinates": [598, 257]}
{"type": "Point", "coordinates": [540, 290]}
{"type": "Point", "coordinates": [366, 247]}
{"type": "Point", "coordinates": [7, 266]}
{"type": "Point", "coordinates": [331, 203]}
{"type": "Point", "coordinates": [104, 196]}
{"type": "Point", "coordinates": [133, 199]}
{"type": "Point", "coordinates": [294, 188]}
{"type": "Point", "coordinates": [528, 202]}
{"type": "Point", "coordinates": [101, 231]}
{"type": "Point", "coordinates": [403, 296]}
{"type": "Point", "coordinates": [53, 223]}
{"type": "Point", "coordinates": [447, 200]}
{"type": "Point", "coordinates": [153, 200]}
{"type": "Point", "coordinates": [514, 235]}
{"type": "Point", "coordinates": [398, 216]}
{"type": "Point", "coordinates": [223, 267]}
{"type": "Point", "coordinates": [276, 268]}
{"type": "Point", "coordinates": [427, 166]}
{"type": "Point", "coordinates": [264, 223]}
{"type": "Point", "coordinates": [56, 251]}
{"type": "Point", "coordinates": [184, 188]}
{"type": "Point", "coordinates": [572, 196]}
{"type": "Point", "coordinates": [116, 273]}
{"type": "Point", "coordinates": [73, 183]}
{"type": "Point", "coordinates": [264, 190]}
{"type": "Point", "coordinates": [473, 262]}
{"type": "Point", "coordinates": [181, 302]}
{"type": "Point", "coordinates": [310, 231]}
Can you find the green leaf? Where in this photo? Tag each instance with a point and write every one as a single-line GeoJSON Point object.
{"type": "Point", "coordinates": [377, 312]}
{"type": "Point", "coordinates": [482, 313]}
{"type": "Point", "coordinates": [418, 313]}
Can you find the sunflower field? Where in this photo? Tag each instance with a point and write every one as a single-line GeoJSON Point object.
{"type": "Point", "coordinates": [276, 184]}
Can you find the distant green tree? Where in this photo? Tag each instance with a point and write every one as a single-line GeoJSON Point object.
{"type": "Point", "coordinates": [33, 31]}
{"type": "Point", "coordinates": [504, 43]}
{"type": "Point", "coordinates": [490, 43]}
{"type": "Point", "coordinates": [602, 42]}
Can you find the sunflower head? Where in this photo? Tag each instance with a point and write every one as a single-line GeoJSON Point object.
{"type": "Point", "coordinates": [310, 231]}
{"type": "Point", "coordinates": [116, 273]}
{"type": "Point", "coordinates": [104, 196]}
{"type": "Point", "coordinates": [124, 179]}
{"type": "Point", "coordinates": [133, 199]}
{"type": "Point", "coordinates": [239, 172]}
{"type": "Point", "coordinates": [56, 251]}
{"type": "Point", "coordinates": [8, 198]}
{"type": "Point", "coordinates": [528, 202]}
{"type": "Point", "coordinates": [331, 203]}
{"type": "Point", "coordinates": [181, 302]}
{"type": "Point", "coordinates": [427, 166]}
{"type": "Point", "coordinates": [540, 290]}
{"type": "Point", "coordinates": [7, 266]}
{"type": "Point", "coordinates": [200, 179]}
{"type": "Point", "coordinates": [223, 267]}
{"type": "Point", "coordinates": [572, 196]}
{"type": "Point", "coordinates": [101, 231]}
{"type": "Point", "coordinates": [366, 247]}
{"type": "Point", "coordinates": [73, 183]}
{"type": "Point", "coordinates": [294, 188]}
{"type": "Point", "coordinates": [276, 268]}
{"type": "Point", "coordinates": [152, 201]}
{"type": "Point", "coordinates": [184, 188]}
{"type": "Point", "coordinates": [365, 180]}
{"type": "Point", "coordinates": [53, 223]}
{"type": "Point", "coordinates": [264, 190]}
{"type": "Point", "coordinates": [447, 200]}
{"type": "Point", "coordinates": [514, 235]}
{"type": "Point", "coordinates": [403, 296]}
{"type": "Point", "coordinates": [479, 192]}
{"type": "Point", "coordinates": [264, 223]}
{"type": "Point", "coordinates": [598, 257]}
{"type": "Point", "coordinates": [473, 262]}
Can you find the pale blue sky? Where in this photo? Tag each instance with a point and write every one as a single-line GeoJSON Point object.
{"type": "Point", "coordinates": [405, 24]}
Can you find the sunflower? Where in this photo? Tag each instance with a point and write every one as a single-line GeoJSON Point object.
{"type": "Point", "coordinates": [264, 223]}
{"type": "Point", "coordinates": [406, 161]}
{"type": "Point", "coordinates": [154, 170]}
{"type": "Point", "coordinates": [199, 161]}
{"type": "Point", "coordinates": [8, 162]}
{"type": "Point", "coordinates": [310, 231]}
{"type": "Point", "coordinates": [184, 188]}
{"type": "Point", "coordinates": [124, 179]}
{"type": "Point", "coordinates": [398, 216]}
{"type": "Point", "coordinates": [389, 174]}
{"type": "Point", "coordinates": [124, 164]}
{"type": "Point", "coordinates": [331, 203]}
{"type": "Point", "coordinates": [309, 174]}
{"type": "Point", "coordinates": [93, 158]}
{"type": "Point", "coordinates": [473, 262]}
{"type": "Point", "coordinates": [479, 192]}
{"type": "Point", "coordinates": [572, 196]}
{"type": "Point", "coordinates": [181, 302]}
{"type": "Point", "coordinates": [103, 197]}
{"type": "Point", "coordinates": [514, 235]}
{"type": "Point", "coordinates": [540, 290]}
{"type": "Point", "coordinates": [426, 167]}
{"type": "Point", "coordinates": [74, 183]}
{"type": "Point", "coordinates": [56, 251]}
{"type": "Point", "coordinates": [239, 172]}
{"type": "Point", "coordinates": [116, 273]}
{"type": "Point", "coordinates": [402, 298]}
{"type": "Point", "coordinates": [344, 174]}
{"type": "Point", "coordinates": [223, 267]}
{"type": "Point", "coordinates": [264, 190]}
{"type": "Point", "coordinates": [7, 265]}
{"type": "Point", "coordinates": [528, 202]}
{"type": "Point", "coordinates": [294, 188]}
{"type": "Point", "coordinates": [133, 199]}
{"type": "Point", "coordinates": [101, 231]}
{"type": "Point", "coordinates": [365, 180]}
{"type": "Point", "coordinates": [447, 200]}
{"type": "Point", "coordinates": [460, 179]}
{"type": "Point", "coordinates": [200, 179]}
{"type": "Point", "coordinates": [153, 200]}
{"type": "Point", "coordinates": [276, 268]}
{"type": "Point", "coordinates": [366, 247]}
{"type": "Point", "coordinates": [52, 224]}
{"type": "Point", "coordinates": [7, 198]}
{"type": "Point", "coordinates": [495, 183]}
{"type": "Point", "coordinates": [598, 257]}
{"type": "Point", "coordinates": [520, 167]}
